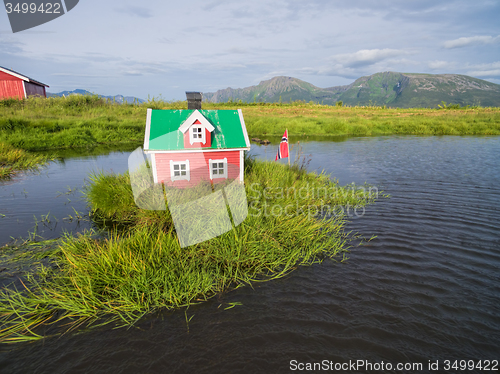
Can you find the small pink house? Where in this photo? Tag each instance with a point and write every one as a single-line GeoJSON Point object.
{"type": "Point", "coordinates": [189, 146]}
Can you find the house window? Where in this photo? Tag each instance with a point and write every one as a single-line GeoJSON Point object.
{"type": "Point", "coordinates": [179, 170]}
{"type": "Point", "coordinates": [197, 134]}
{"type": "Point", "coordinates": [218, 168]}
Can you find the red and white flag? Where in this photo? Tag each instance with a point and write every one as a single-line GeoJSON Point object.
{"type": "Point", "coordinates": [283, 149]}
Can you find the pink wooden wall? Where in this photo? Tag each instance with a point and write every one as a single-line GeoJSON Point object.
{"type": "Point", "coordinates": [198, 165]}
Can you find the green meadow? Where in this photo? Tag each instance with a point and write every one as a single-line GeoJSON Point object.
{"type": "Point", "coordinates": [37, 124]}
{"type": "Point", "coordinates": [327, 121]}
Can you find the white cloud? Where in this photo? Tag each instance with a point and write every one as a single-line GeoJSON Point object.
{"type": "Point", "coordinates": [366, 57]}
{"type": "Point", "coordinates": [485, 70]}
{"type": "Point", "coordinates": [437, 64]}
{"type": "Point", "coordinates": [136, 11]}
{"type": "Point", "coordinates": [11, 47]}
{"type": "Point", "coordinates": [77, 75]}
{"type": "Point", "coordinates": [237, 50]}
{"type": "Point", "coordinates": [133, 73]}
{"type": "Point", "coordinates": [485, 73]}
{"type": "Point", "coordinates": [362, 62]}
{"type": "Point", "coordinates": [472, 40]}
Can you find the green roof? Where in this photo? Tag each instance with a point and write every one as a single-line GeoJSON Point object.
{"type": "Point", "coordinates": [164, 133]}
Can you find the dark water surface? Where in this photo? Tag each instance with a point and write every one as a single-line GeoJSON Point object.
{"type": "Point", "coordinates": [427, 288]}
{"type": "Point", "coordinates": [42, 202]}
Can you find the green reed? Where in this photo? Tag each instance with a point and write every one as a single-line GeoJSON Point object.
{"type": "Point", "coordinates": [13, 160]}
{"type": "Point", "coordinates": [139, 266]}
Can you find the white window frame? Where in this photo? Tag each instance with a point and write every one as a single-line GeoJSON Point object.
{"type": "Point", "coordinates": [192, 139]}
{"type": "Point", "coordinates": [212, 176]}
{"type": "Point", "coordinates": [179, 177]}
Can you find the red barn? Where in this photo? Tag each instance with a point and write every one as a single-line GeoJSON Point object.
{"type": "Point", "coordinates": [16, 85]}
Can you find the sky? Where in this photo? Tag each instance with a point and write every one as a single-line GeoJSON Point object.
{"type": "Point", "coordinates": [163, 48]}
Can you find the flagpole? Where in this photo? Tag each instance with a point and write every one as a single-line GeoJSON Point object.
{"type": "Point", "coordinates": [288, 145]}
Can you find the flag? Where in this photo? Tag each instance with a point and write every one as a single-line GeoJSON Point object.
{"type": "Point", "coordinates": [283, 148]}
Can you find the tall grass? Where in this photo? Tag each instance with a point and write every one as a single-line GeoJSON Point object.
{"type": "Point", "coordinates": [313, 119]}
{"type": "Point", "coordinates": [37, 124]}
{"type": "Point", "coordinates": [13, 160]}
{"type": "Point", "coordinates": [140, 266]}
{"type": "Point", "coordinates": [84, 121]}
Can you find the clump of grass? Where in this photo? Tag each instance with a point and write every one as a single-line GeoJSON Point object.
{"type": "Point", "coordinates": [142, 267]}
{"type": "Point", "coordinates": [113, 205]}
{"type": "Point", "coordinates": [13, 160]}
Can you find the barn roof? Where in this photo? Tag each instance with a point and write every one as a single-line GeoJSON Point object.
{"type": "Point", "coordinates": [163, 134]}
{"type": "Point", "coordinates": [21, 76]}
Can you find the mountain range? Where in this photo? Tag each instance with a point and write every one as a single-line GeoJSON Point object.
{"type": "Point", "coordinates": [397, 90]}
{"type": "Point", "coordinates": [117, 98]}
{"type": "Point", "coordinates": [401, 90]}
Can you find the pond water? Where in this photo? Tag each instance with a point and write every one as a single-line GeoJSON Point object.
{"type": "Point", "coordinates": [44, 202]}
{"type": "Point", "coordinates": [427, 288]}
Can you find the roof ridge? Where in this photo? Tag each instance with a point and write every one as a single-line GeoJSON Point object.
{"type": "Point", "coordinates": [24, 77]}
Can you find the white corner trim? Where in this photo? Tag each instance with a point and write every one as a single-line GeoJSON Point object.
{"type": "Point", "coordinates": [148, 128]}
{"type": "Point", "coordinates": [244, 128]}
{"type": "Point", "coordinates": [24, 89]}
{"type": "Point", "coordinates": [153, 166]}
{"type": "Point", "coordinates": [242, 167]}
{"type": "Point", "coordinates": [196, 115]}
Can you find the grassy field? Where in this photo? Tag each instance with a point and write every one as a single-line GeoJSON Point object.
{"type": "Point", "coordinates": [312, 119]}
{"type": "Point", "coordinates": [37, 124]}
{"type": "Point", "coordinates": [140, 266]}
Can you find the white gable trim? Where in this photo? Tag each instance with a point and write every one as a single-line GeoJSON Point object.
{"type": "Point", "coordinates": [148, 128]}
{"type": "Point", "coordinates": [15, 75]}
{"type": "Point", "coordinates": [242, 167]}
{"type": "Point", "coordinates": [196, 115]}
{"type": "Point", "coordinates": [244, 128]}
{"type": "Point", "coordinates": [23, 77]}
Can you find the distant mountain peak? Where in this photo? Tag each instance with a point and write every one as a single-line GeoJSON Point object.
{"type": "Point", "coordinates": [280, 88]}
{"type": "Point", "coordinates": [117, 98]}
{"type": "Point", "coordinates": [385, 88]}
